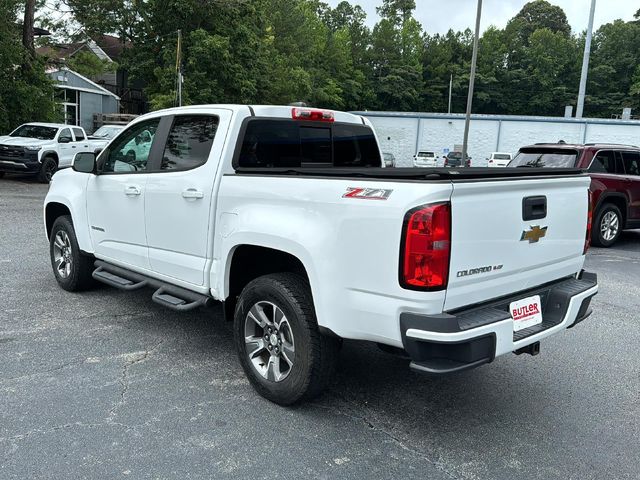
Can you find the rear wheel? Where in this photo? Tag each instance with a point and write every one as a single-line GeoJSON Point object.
{"type": "Point", "coordinates": [47, 169]}
{"type": "Point", "coordinates": [71, 267]}
{"type": "Point", "coordinates": [608, 226]}
{"type": "Point", "coordinates": [281, 350]}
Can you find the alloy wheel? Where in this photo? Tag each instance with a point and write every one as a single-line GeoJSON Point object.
{"type": "Point", "coordinates": [269, 341]}
{"type": "Point", "coordinates": [62, 254]}
{"type": "Point", "coordinates": [609, 226]}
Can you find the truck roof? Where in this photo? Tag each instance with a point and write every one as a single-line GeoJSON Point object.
{"type": "Point", "coordinates": [270, 111]}
{"type": "Point", "coordinates": [52, 125]}
{"type": "Point", "coordinates": [579, 145]}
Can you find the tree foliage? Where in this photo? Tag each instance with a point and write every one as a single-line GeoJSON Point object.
{"type": "Point", "coordinates": [283, 51]}
{"type": "Point", "coordinates": [26, 94]}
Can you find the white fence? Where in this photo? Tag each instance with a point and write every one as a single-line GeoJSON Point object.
{"type": "Point", "coordinates": [402, 134]}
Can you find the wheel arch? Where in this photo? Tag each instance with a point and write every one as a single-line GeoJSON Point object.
{"type": "Point", "coordinates": [51, 153]}
{"type": "Point", "coordinates": [247, 262]}
{"type": "Point", "coordinates": [617, 199]}
{"type": "Point", "coordinates": [52, 212]}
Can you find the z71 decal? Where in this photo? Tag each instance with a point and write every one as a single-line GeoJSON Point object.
{"type": "Point", "coordinates": [367, 193]}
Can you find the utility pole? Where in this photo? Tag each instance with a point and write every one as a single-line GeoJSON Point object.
{"type": "Point", "coordinates": [179, 69]}
{"type": "Point", "coordinates": [585, 62]}
{"type": "Point", "coordinates": [472, 79]}
{"type": "Point", "coordinates": [450, 89]}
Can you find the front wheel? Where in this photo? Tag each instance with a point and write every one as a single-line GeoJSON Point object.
{"type": "Point", "coordinates": [71, 267]}
{"type": "Point", "coordinates": [280, 348]}
{"type": "Point", "coordinates": [47, 169]}
{"type": "Point", "coordinates": [607, 227]}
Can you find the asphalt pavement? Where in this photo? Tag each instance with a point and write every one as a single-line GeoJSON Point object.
{"type": "Point", "coordinates": [107, 384]}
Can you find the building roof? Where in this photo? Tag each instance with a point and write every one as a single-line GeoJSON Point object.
{"type": "Point", "coordinates": [94, 87]}
{"type": "Point", "coordinates": [105, 47]}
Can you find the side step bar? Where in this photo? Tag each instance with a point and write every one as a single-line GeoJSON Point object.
{"type": "Point", "coordinates": [170, 296]}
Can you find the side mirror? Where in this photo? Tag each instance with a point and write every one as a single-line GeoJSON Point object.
{"type": "Point", "coordinates": [64, 140]}
{"type": "Point", "coordinates": [84, 162]}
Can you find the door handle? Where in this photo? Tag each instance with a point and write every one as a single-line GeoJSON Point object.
{"type": "Point", "coordinates": [192, 193]}
{"type": "Point", "coordinates": [73, 146]}
{"type": "Point", "coordinates": [132, 190]}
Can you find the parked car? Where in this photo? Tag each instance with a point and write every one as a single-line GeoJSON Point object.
{"type": "Point", "coordinates": [106, 132]}
{"type": "Point", "coordinates": [615, 181]}
{"type": "Point", "coordinates": [454, 159]}
{"type": "Point", "coordinates": [499, 159]}
{"type": "Point", "coordinates": [272, 210]}
{"type": "Point", "coordinates": [41, 149]}
{"type": "Point", "coordinates": [425, 158]}
{"type": "Point", "coordinates": [389, 160]}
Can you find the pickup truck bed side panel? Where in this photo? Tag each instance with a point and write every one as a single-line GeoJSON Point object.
{"type": "Point", "coordinates": [354, 278]}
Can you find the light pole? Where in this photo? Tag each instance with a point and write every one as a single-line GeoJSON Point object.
{"type": "Point", "coordinates": [585, 62]}
{"type": "Point", "coordinates": [472, 79]}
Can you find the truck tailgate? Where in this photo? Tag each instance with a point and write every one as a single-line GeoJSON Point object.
{"type": "Point", "coordinates": [496, 251]}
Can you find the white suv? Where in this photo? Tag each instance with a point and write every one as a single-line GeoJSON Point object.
{"type": "Point", "coordinates": [425, 158]}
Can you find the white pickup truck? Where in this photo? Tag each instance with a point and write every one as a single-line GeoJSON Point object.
{"type": "Point", "coordinates": [42, 148]}
{"type": "Point", "coordinates": [287, 217]}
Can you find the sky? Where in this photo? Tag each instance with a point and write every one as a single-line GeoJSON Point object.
{"type": "Point", "coordinates": [437, 16]}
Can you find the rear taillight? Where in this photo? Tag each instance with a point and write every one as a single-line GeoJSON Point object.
{"type": "Point", "coordinates": [426, 245]}
{"type": "Point", "coordinates": [312, 115]}
{"type": "Point", "coordinates": [587, 241]}
{"type": "Point", "coordinates": [446, 162]}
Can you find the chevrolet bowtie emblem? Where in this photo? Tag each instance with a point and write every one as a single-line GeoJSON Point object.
{"type": "Point", "coordinates": [534, 234]}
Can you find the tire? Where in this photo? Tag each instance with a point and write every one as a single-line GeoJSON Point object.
{"type": "Point", "coordinates": [306, 360]}
{"type": "Point", "coordinates": [47, 169]}
{"type": "Point", "coordinates": [607, 226]}
{"type": "Point", "coordinates": [71, 267]}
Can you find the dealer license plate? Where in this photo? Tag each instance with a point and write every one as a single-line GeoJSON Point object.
{"type": "Point", "coordinates": [526, 313]}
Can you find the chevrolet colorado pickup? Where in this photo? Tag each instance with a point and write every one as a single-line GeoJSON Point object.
{"type": "Point", "coordinates": [287, 216]}
{"type": "Point", "coordinates": [41, 148]}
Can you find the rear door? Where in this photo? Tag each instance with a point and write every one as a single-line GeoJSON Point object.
{"type": "Point", "coordinates": [631, 161]}
{"type": "Point", "coordinates": [514, 234]}
{"type": "Point", "coordinates": [179, 200]}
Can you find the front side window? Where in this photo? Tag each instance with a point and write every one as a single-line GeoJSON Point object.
{"type": "Point", "coordinates": [65, 136]}
{"type": "Point", "coordinates": [189, 142]}
{"type": "Point", "coordinates": [129, 153]}
{"type": "Point", "coordinates": [79, 134]}
{"type": "Point", "coordinates": [631, 161]}
{"type": "Point", "coordinates": [604, 162]}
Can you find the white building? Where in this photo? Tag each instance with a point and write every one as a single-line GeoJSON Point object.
{"type": "Point", "coordinates": [403, 134]}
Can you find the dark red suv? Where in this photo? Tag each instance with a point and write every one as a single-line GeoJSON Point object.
{"type": "Point", "coordinates": [615, 181]}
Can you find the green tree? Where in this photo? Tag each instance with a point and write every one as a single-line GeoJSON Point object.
{"type": "Point", "coordinates": [26, 93]}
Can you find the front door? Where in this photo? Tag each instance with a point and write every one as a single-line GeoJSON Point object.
{"type": "Point", "coordinates": [180, 196]}
{"type": "Point", "coordinates": [66, 150]}
{"type": "Point", "coordinates": [116, 198]}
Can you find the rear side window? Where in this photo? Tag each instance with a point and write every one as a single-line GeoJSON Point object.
{"type": "Point", "coordinates": [631, 162]}
{"type": "Point", "coordinates": [79, 134]}
{"type": "Point", "coordinates": [189, 142]}
{"type": "Point", "coordinates": [289, 144]}
{"type": "Point", "coordinates": [605, 162]}
{"type": "Point", "coordinates": [545, 158]}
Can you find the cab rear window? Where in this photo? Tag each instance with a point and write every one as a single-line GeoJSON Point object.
{"type": "Point", "coordinates": [294, 144]}
{"type": "Point", "coordinates": [553, 158]}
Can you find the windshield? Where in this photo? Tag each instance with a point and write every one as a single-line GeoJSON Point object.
{"type": "Point", "coordinates": [388, 156]}
{"type": "Point", "coordinates": [426, 154]}
{"type": "Point", "coordinates": [502, 156]}
{"type": "Point", "coordinates": [545, 158]}
{"type": "Point", "coordinates": [107, 132]}
{"type": "Point", "coordinates": [456, 156]}
{"type": "Point", "coordinates": [35, 131]}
